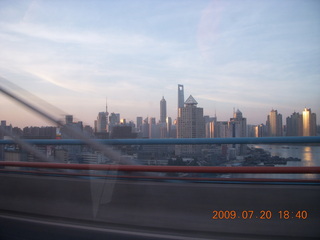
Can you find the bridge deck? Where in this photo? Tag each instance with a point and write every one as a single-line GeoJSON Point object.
{"type": "Point", "coordinates": [122, 208]}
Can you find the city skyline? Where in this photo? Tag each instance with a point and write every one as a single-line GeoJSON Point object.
{"type": "Point", "coordinates": [296, 124]}
{"type": "Point", "coordinates": [254, 56]}
{"type": "Point", "coordinates": [157, 119]}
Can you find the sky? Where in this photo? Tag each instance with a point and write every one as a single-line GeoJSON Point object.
{"type": "Point", "coordinates": [254, 55]}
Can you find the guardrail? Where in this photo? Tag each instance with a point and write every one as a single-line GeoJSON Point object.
{"type": "Point", "coordinates": [173, 141]}
{"type": "Point", "coordinates": [170, 169]}
{"type": "Point", "coordinates": [182, 169]}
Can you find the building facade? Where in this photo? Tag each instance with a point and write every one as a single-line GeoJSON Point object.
{"type": "Point", "coordinates": [101, 122]}
{"type": "Point", "coordinates": [309, 126]}
{"type": "Point", "coordinates": [274, 124]}
{"type": "Point", "coordinates": [180, 97]}
{"type": "Point", "coordinates": [294, 125]}
{"type": "Point", "coordinates": [238, 128]}
{"type": "Point", "coordinates": [191, 124]}
{"type": "Point", "coordinates": [114, 120]}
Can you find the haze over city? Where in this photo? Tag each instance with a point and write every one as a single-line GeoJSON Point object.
{"type": "Point", "coordinates": [251, 55]}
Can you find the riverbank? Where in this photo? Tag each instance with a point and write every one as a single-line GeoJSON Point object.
{"type": "Point", "coordinates": [260, 157]}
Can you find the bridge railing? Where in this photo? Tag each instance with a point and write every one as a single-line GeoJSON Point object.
{"type": "Point", "coordinates": [195, 173]}
{"type": "Point", "coordinates": [174, 141]}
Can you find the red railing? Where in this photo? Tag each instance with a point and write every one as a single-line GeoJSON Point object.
{"type": "Point", "coordinates": [184, 169]}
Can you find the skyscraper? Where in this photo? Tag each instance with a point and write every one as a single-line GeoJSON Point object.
{"type": "Point", "coordinates": [145, 128]}
{"type": "Point", "coordinates": [274, 124]}
{"type": "Point", "coordinates": [309, 127]}
{"type": "Point", "coordinates": [294, 125]}
{"type": "Point", "coordinates": [180, 96]}
{"type": "Point", "coordinates": [238, 128]}
{"type": "Point", "coordinates": [114, 119]}
{"type": "Point", "coordinates": [152, 128]}
{"type": "Point", "coordinates": [210, 123]}
{"type": "Point", "coordinates": [191, 124]}
{"type": "Point", "coordinates": [107, 116]}
{"type": "Point", "coordinates": [169, 127]}
{"type": "Point", "coordinates": [101, 122]}
{"type": "Point", "coordinates": [139, 124]}
{"type": "Point", "coordinates": [163, 110]}
{"type": "Point", "coordinates": [238, 125]}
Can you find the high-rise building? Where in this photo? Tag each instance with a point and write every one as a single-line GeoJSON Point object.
{"type": "Point", "coordinates": [139, 124]}
{"type": "Point", "coordinates": [3, 123]}
{"type": "Point", "coordinates": [153, 128]}
{"type": "Point", "coordinates": [122, 131]}
{"type": "Point", "coordinates": [274, 124]}
{"type": "Point", "coordinates": [191, 120]}
{"type": "Point", "coordinates": [309, 127]}
{"type": "Point", "coordinates": [210, 126]}
{"type": "Point", "coordinates": [238, 125]}
{"type": "Point", "coordinates": [4, 129]}
{"type": "Point", "coordinates": [145, 128]}
{"type": "Point", "coordinates": [101, 122]}
{"type": "Point", "coordinates": [163, 110]}
{"type": "Point", "coordinates": [180, 96]}
{"type": "Point", "coordinates": [259, 130]}
{"type": "Point", "coordinates": [219, 129]}
{"type": "Point", "coordinates": [169, 127]}
{"type": "Point", "coordinates": [69, 119]}
{"type": "Point", "coordinates": [114, 119]}
{"type": "Point", "coordinates": [191, 124]}
{"type": "Point", "coordinates": [107, 116]}
{"type": "Point", "coordinates": [238, 128]}
{"type": "Point", "coordinates": [294, 125]}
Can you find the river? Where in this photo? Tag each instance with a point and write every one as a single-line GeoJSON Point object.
{"type": "Point", "coordinates": [309, 155]}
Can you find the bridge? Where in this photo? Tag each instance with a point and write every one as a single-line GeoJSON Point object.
{"type": "Point", "coordinates": [76, 201]}
{"type": "Point", "coordinates": [124, 200]}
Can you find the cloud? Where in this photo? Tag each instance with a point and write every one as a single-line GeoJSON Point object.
{"type": "Point", "coordinates": [236, 55]}
{"type": "Point", "coordinates": [114, 42]}
{"type": "Point", "coordinates": [50, 34]}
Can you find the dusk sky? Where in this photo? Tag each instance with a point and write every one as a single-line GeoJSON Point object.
{"type": "Point", "coordinates": [254, 55]}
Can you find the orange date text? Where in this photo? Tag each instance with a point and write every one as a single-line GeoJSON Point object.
{"type": "Point", "coordinates": [262, 214]}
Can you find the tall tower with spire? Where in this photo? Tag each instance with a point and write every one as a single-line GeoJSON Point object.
{"type": "Point", "coordinates": [180, 96]}
{"type": "Point", "coordinates": [163, 110]}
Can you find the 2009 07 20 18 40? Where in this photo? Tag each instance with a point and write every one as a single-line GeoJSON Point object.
{"type": "Point", "coordinates": [263, 214]}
